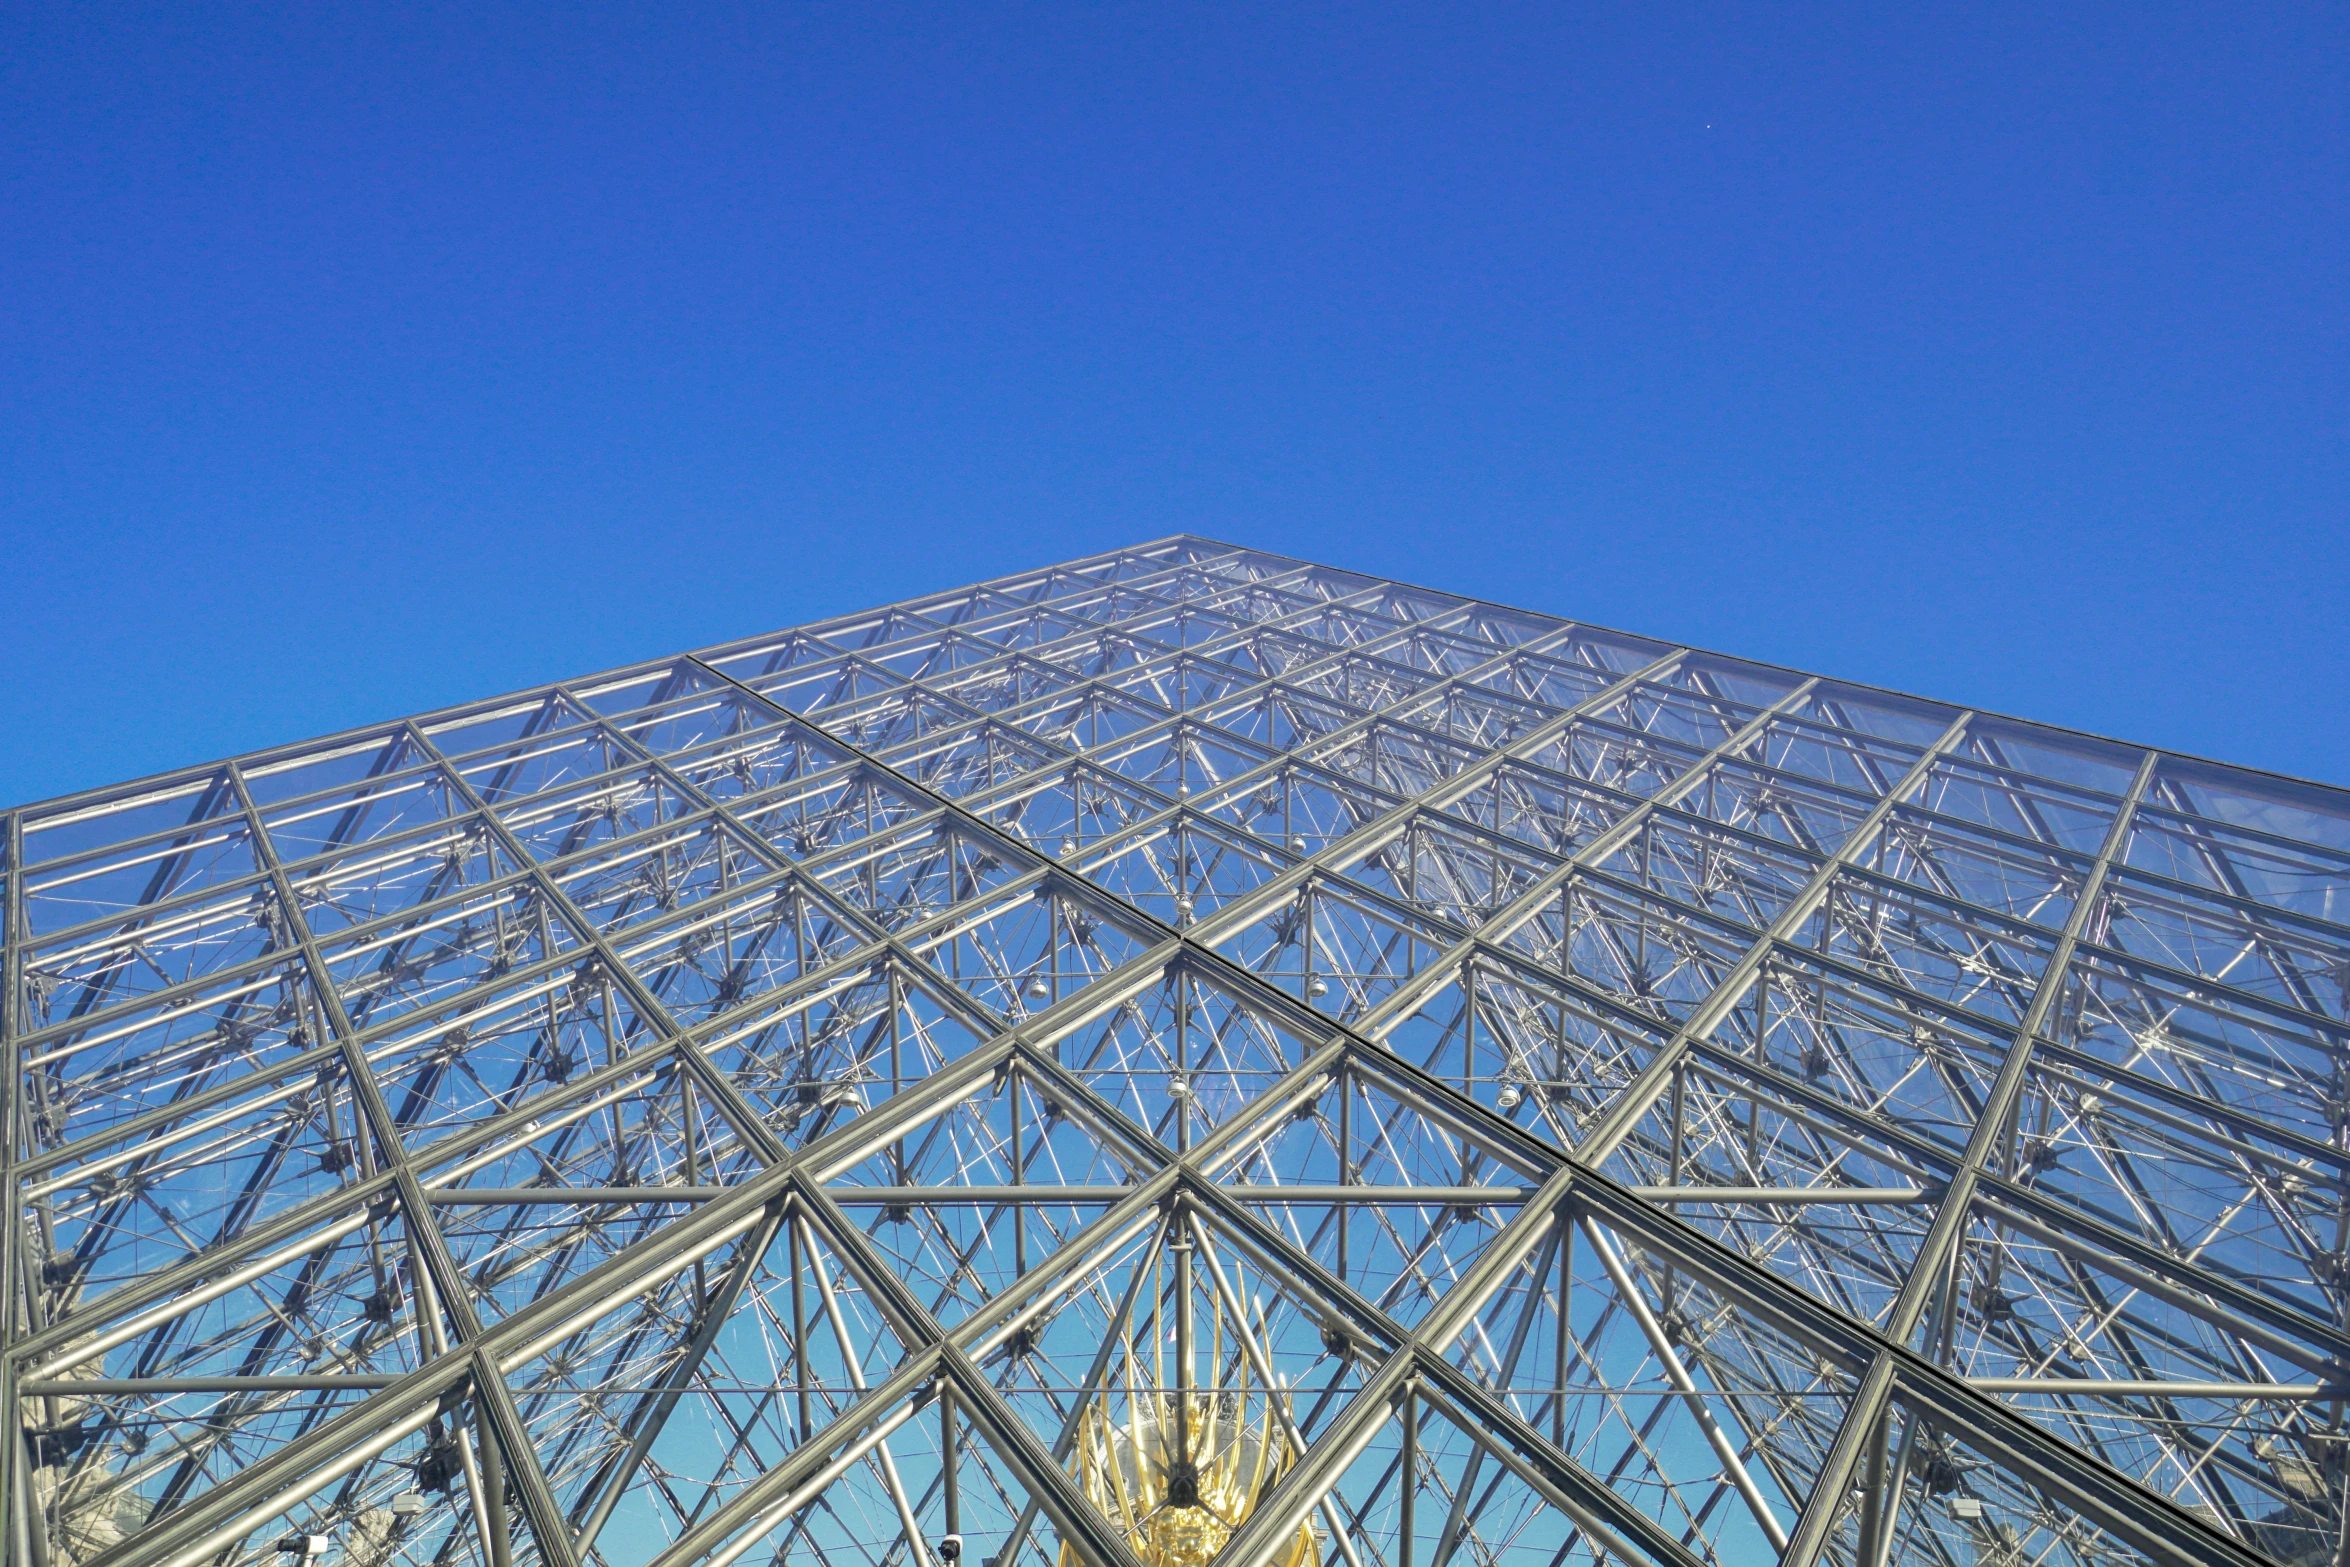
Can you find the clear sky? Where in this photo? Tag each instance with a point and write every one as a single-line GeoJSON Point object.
{"type": "Point", "coordinates": [359, 361]}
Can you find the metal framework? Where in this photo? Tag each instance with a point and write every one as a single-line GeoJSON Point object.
{"type": "Point", "coordinates": [1537, 1094]}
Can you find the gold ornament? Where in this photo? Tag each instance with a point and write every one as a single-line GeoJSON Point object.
{"type": "Point", "coordinates": [1183, 1467]}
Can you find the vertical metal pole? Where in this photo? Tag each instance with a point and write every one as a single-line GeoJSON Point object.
{"type": "Point", "coordinates": [1680, 1160]}
{"type": "Point", "coordinates": [1237, 1309]}
{"type": "Point", "coordinates": [1468, 1031]}
{"type": "Point", "coordinates": [799, 1329]}
{"type": "Point", "coordinates": [1305, 904]}
{"type": "Point", "coordinates": [1183, 1337]}
{"type": "Point", "coordinates": [1019, 1209]}
{"type": "Point", "coordinates": [32, 1533]}
{"type": "Point", "coordinates": [1346, 1143]}
{"type": "Point", "coordinates": [896, 1075]}
{"type": "Point", "coordinates": [1889, 1501]}
{"type": "Point", "coordinates": [428, 1311]}
{"type": "Point", "coordinates": [1408, 1473]}
{"type": "Point", "coordinates": [688, 1129]}
{"type": "Point", "coordinates": [1566, 1330]}
{"type": "Point", "coordinates": [1762, 1056]}
{"type": "Point", "coordinates": [493, 1486]}
{"type": "Point", "coordinates": [1116, 1340]}
{"type": "Point", "coordinates": [1873, 1509]}
{"type": "Point", "coordinates": [946, 1458]}
{"type": "Point", "coordinates": [1183, 1060]}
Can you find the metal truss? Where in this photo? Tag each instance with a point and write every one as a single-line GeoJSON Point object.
{"type": "Point", "coordinates": [1612, 1102]}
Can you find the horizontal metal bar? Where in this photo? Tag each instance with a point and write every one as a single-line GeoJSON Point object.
{"type": "Point", "coordinates": [500, 1196]}
{"type": "Point", "coordinates": [918, 1196]}
{"type": "Point", "coordinates": [72, 1387]}
{"type": "Point", "coordinates": [2101, 1387]}
{"type": "Point", "coordinates": [1788, 1194]}
{"type": "Point", "coordinates": [1404, 1196]}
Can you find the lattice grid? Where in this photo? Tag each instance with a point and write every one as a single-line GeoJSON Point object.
{"type": "Point", "coordinates": [1542, 1095]}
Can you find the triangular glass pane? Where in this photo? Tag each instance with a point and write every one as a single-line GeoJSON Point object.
{"type": "Point", "coordinates": [2016, 803]}
{"type": "Point", "coordinates": [429, 957]}
{"type": "Point", "coordinates": [500, 724]}
{"type": "Point", "coordinates": [2019, 878]}
{"type": "Point", "coordinates": [653, 875]}
{"type": "Point", "coordinates": [1395, 1203]}
{"type": "Point", "coordinates": [1342, 951]}
{"type": "Point", "coordinates": [1401, 761]}
{"type": "Point", "coordinates": [1962, 957]}
{"type": "Point", "coordinates": [1069, 810]}
{"type": "Point", "coordinates": [1087, 720]}
{"type": "Point", "coordinates": [1460, 878]}
{"type": "Point", "coordinates": [2193, 1386]}
{"type": "Point", "coordinates": [1656, 957]}
{"type": "Point", "coordinates": [567, 790]}
{"type": "Point", "coordinates": [1711, 1458]}
{"type": "Point", "coordinates": [1184, 759]}
{"type": "Point", "coordinates": [903, 880]}
{"type": "Point", "coordinates": [809, 676]}
{"type": "Point", "coordinates": [1718, 869]}
{"type": "Point", "coordinates": [1812, 816]}
{"type": "Point", "coordinates": [405, 801]}
{"type": "Point", "coordinates": [970, 761]}
{"type": "Point", "coordinates": [391, 877]}
{"type": "Point", "coordinates": [1180, 1055]}
{"type": "Point", "coordinates": [900, 1494]}
{"type": "Point", "coordinates": [808, 817]}
{"type": "Point", "coordinates": [758, 759]}
{"type": "Point", "coordinates": [1184, 870]}
{"type": "Point", "coordinates": [1298, 807]}
{"type": "Point", "coordinates": [2241, 861]}
{"type": "Point", "coordinates": [2181, 1170]}
{"type": "Point", "coordinates": [2258, 1058]}
{"type": "Point", "coordinates": [1876, 1050]}
{"type": "Point", "coordinates": [732, 948]}
{"type": "Point", "coordinates": [662, 1410]}
{"type": "Point", "coordinates": [943, 1203]}
{"type": "Point", "coordinates": [2228, 941]}
{"type": "Point", "coordinates": [1533, 1053]}
{"type": "Point", "coordinates": [1467, 1504]}
{"type": "Point", "coordinates": [1177, 1382]}
{"type": "Point", "coordinates": [176, 834]}
{"type": "Point", "coordinates": [145, 915]}
{"type": "Point", "coordinates": [590, 1176]}
{"type": "Point", "coordinates": [811, 1063]}
{"type": "Point", "coordinates": [1552, 814]}
{"type": "Point", "coordinates": [1022, 952]}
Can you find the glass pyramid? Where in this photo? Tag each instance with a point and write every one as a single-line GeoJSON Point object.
{"type": "Point", "coordinates": [1182, 1056]}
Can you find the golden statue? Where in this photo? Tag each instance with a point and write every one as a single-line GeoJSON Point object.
{"type": "Point", "coordinates": [1185, 1465]}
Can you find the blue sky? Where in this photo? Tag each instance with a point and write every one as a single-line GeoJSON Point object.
{"type": "Point", "coordinates": [355, 362]}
